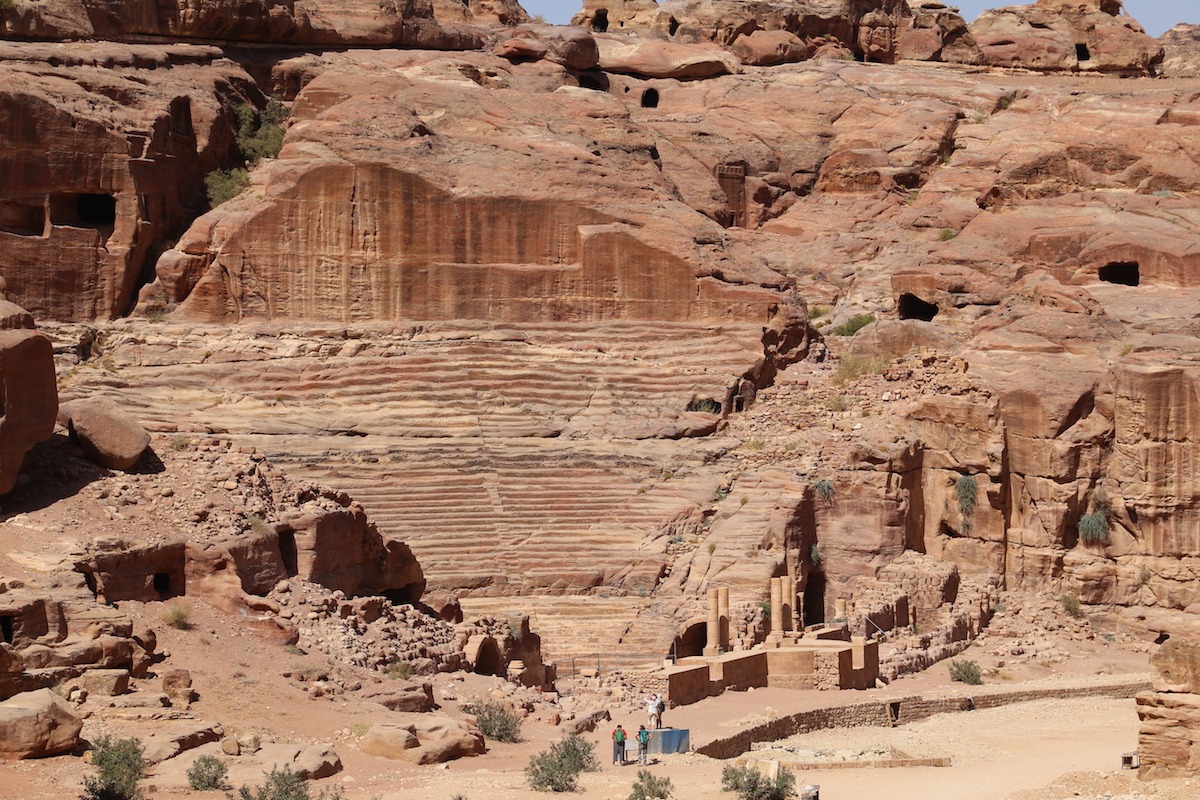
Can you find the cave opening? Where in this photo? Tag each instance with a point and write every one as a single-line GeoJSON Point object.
{"type": "Point", "coordinates": [162, 584]}
{"type": "Point", "coordinates": [650, 98]}
{"type": "Point", "coordinates": [488, 660]}
{"type": "Point", "coordinates": [288, 553]}
{"type": "Point", "coordinates": [913, 307]}
{"type": "Point", "coordinates": [1124, 273]}
{"type": "Point", "coordinates": [600, 21]}
{"type": "Point", "coordinates": [6, 629]}
{"type": "Point", "coordinates": [85, 210]}
{"type": "Point", "coordinates": [23, 219]}
{"type": "Point", "coordinates": [1082, 53]}
{"type": "Point", "coordinates": [692, 641]}
{"type": "Point", "coordinates": [672, 26]}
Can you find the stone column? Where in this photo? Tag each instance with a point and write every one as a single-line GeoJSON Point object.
{"type": "Point", "coordinates": [776, 607]}
{"type": "Point", "coordinates": [839, 609]}
{"type": "Point", "coordinates": [788, 587]}
{"type": "Point", "coordinates": [723, 617]}
{"type": "Point", "coordinates": [712, 645]}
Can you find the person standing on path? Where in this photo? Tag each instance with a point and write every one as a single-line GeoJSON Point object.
{"type": "Point", "coordinates": [618, 737]}
{"type": "Point", "coordinates": [643, 743]}
{"type": "Point", "coordinates": [652, 710]}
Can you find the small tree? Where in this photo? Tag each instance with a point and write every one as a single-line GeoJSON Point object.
{"type": "Point", "coordinates": [496, 720]}
{"type": "Point", "coordinates": [558, 769]}
{"type": "Point", "coordinates": [119, 764]}
{"type": "Point", "coordinates": [649, 787]}
{"type": "Point", "coordinates": [966, 491]}
{"type": "Point", "coordinates": [284, 784]}
{"type": "Point", "coordinates": [207, 772]}
{"type": "Point", "coordinates": [824, 490]}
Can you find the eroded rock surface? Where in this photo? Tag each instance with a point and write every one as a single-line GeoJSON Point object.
{"type": "Point", "coordinates": [28, 392]}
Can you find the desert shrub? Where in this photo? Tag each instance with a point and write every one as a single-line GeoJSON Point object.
{"type": "Point", "coordinates": [852, 368]}
{"type": "Point", "coordinates": [814, 555]}
{"type": "Point", "coordinates": [7, 5]}
{"type": "Point", "coordinates": [222, 185]}
{"type": "Point", "coordinates": [649, 787]}
{"type": "Point", "coordinates": [178, 616]}
{"type": "Point", "coordinates": [496, 720]}
{"type": "Point", "coordinates": [558, 769]}
{"type": "Point", "coordinates": [1071, 606]}
{"type": "Point", "coordinates": [816, 312]}
{"type": "Point", "coordinates": [260, 134]}
{"type": "Point", "coordinates": [119, 765]}
{"type": "Point", "coordinates": [207, 772]}
{"type": "Point", "coordinates": [947, 234]}
{"type": "Point", "coordinates": [966, 491]}
{"type": "Point", "coordinates": [853, 325]}
{"type": "Point", "coordinates": [750, 784]}
{"type": "Point", "coordinates": [179, 442]}
{"type": "Point", "coordinates": [824, 490]}
{"type": "Point", "coordinates": [283, 784]}
{"type": "Point", "coordinates": [965, 672]}
{"type": "Point", "coordinates": [1093, 527]}
{"type": "Point", "coordinates": [836, 403]}
{"type": "Point", "coordinates": [707, 405]}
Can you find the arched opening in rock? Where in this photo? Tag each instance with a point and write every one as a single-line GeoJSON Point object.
{"type": "Point", "coordinates": [288, 554]}
{"type": "Point", "coordinates": [1125, 273]}
{"type": "Point", "coordinates": [405, 595]}
{"type": "Point", "coordinates": [672, 26]}
{"type": "Point", "coordinates": [6, 629]}
{"type": "Point", "coordinates": [1162, 638]}
{"type": "Point", "coordinates": [1082, 53]}
{"type": "Point", "coordinates": [162, 584]}
{"type": "Point", "coordinates": [650, 98]}
{"type": "Point", "coordinates": [692, 641]}
{"type": "Point", "coordinates": [23, 219]}
{"type": "Point", "coordinates": [488, 661]}
{"type": "Point", "coordinates": [600, 21]}
{"type": "Point", "coordinates": [913, 307]}
{"type": "Point", "coordinates": [814, 599]}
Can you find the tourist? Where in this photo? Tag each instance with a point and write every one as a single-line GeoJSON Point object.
{"type": "Point", "coordinates": [618, 737]}
{"type": "Point", "coordinates": [652, 710]}
{"type": "Point", "coordinates": [643, 743]}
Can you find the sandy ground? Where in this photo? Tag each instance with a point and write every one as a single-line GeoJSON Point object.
{"type": "Point", "coordinates": [1043, 750]}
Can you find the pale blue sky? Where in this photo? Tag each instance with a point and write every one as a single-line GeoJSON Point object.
{"type": "Point", "coordinates": [1156, 16]}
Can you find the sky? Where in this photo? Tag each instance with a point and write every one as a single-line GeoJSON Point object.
{"type": "Point", "coordinates": [1156, 16]}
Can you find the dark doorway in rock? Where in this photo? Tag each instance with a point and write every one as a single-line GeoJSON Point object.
{"type": "Point", "coordinates": [162, 584]}
{"type": "Point", "coordinates": [814, 599]}
{"type": "Point", "coordinates": [488, 661]}
{"type": "Point", "coordinates": [692, 641]}
{"type": "Point", "coordinates": [1126, 273]}
{"type": "Point", "coordinates": [913, 307]}
{"type": "Point", "coordinates": [672, 26]}
{"type": "Point", "coordinates": [600, 21]}
{"type": "Point", "coordinates": [650, 98]}
{"type": "Point", "coordinates": [23, 219]}
{"type": "Point", "coordinates": [287, 553]}
{"type": "Point", "coordinates": [408, 595]}
{"type": "Point", "coordinates": [1082, 53]}
{"type": "Point", "coordinates": [97, 210]}
{"type": "Point", "coordinates": [1162, 638]}
{"type": "Point", "coordinates": [6, 629]}
{"type": "Point", "coordinates": [594, 80]}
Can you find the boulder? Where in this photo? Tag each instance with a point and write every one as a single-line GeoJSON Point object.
{"type": "Point", "coordinates": [28, 390]}
{"type": "Point", "coordinates": [36, 724]}
{"type": "Point", "coordinates": [106, 432]}
{"type": "Point", "coordinates": [177, 686]}
{"type": "Point", "coordinates": [106, 682]}
{"type": "Point", "coordinates": [573, 48]}
{"type": "Point", "coordinates": [1181, 52]}
{"type": "Point", "coordinates": [654, 58]}
{"type": "Point", "coordinates": [423, 739]}
{"type": "Point", "coordinates": [417, 697]}
{"type": "Point", "coordinates": [767, 48]}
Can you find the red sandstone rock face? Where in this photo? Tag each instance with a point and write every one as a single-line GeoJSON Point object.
{"type": "Point", "coordinates": [1065, 35]}
{"type": "Point", "coordinates": [1181, 52]}
{"type": "Point", "coordinates": [105, 148]}
{"type": "Point", "coordinates": [28, 392]}
{"type": "Point", "coordinates": [407, 23]}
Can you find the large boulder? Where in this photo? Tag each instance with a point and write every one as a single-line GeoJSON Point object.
{"type": "Point", "coordinates": [105, 432]}
{"type": "Point", "coordinates": [28, 390]}
{"type": "Point", "coordinates": [36, 724]}
{"type": "Point", "coordinates": [423, 739]}
{"type": "Point", "coordinates": [1181, 52]}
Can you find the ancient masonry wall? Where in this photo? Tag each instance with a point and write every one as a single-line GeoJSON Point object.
{"type": "Point", "coordinates": [888, 713]}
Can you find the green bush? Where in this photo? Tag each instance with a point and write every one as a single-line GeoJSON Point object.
{"type": "Point", "coordinates": [814, 555]}
{"type": "Point", "coordinates": [947, 234]}
{"type": "Point", "coordinates": [399, 670]}
{"type": "Point", "coordinates": [851, 368]}
{"type": "Point", "coordinates": [649, 787]}
{"type": "Point", "coordinates": [497, 721]}
{"type": "Point", "coordinates": [207, 772]}
{"type": "Point", "coordinates": [750, 784]}
{"type": "Point", "coordinates": [1071, 606]}
{"type": "Point", "coordinates": [1093, 528]}
{"type": "Point", "coordinates": [558, 769]}
{"type": "Point", "coordinates": [965, 672]}
{"type": "Point", "coordinates": [853, 325]}
{"type": "Point", "coordinates": [178, 616]}
{"type": "Point", "coordinates": [707, 405]}
{"type": "Point", "coordinates": [222, 185]}
{"type": "Point", "coordinates": [283, 784]}
{"type": "Point", "coordinates": [824, 490]}
{"type": "Point", "coordinates": [966, 491]}
{"type": "Point", "coordinates": [7, 5]}
{"type": "Point", "coordinates": [260, 134]}
{"type": "Point", "coordinates": [119, 765]}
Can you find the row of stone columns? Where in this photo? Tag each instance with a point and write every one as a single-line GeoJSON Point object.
{"type": "Point", "coordinates": [718, 621]}
{"type": "Point", "coordinates": [784, 617]}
